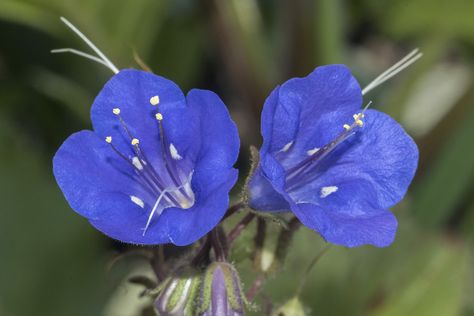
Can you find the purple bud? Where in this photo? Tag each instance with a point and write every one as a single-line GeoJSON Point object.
{"type": "Point", "coordinates": [221, 293]}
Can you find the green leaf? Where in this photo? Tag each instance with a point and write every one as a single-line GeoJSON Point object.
{"type": "Point", "coordinates": [448, 179]}
{"type": "Point", "coordinates": [52, 259]}
{"type": "Point", "coordinates": [437, 289]}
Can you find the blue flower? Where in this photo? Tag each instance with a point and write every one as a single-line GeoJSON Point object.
{"type": "Point", "coordinates": [158, 166]}
{"type": "Point", "coordinates": [336, 167]}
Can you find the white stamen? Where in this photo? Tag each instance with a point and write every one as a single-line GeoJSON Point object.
{"type": "Point", "coordinates": [313, 151]}
{"type": "Point", "coordinates": [102, 58]}
{"type": "Point", "coordinates": [326, 191]}
{"type": "Point", "coordinates": [158, 200]}
{"type": "Point", "coordinates": [286, 147]}
{"type": "Point", "coordinates": [137, 163]}
{"type": "Point", "coordinates": [137, 201]}
{"type": "Point", "coordinates": [174, 153]}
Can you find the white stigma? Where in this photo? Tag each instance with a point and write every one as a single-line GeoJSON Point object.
{"type": "Point", "coordinates": [313, 151]}
{"type": "Point", "coordinates": [174, 153]}
{"type": "Point", "coordinates": [100, 58]}
{"type": "Point", "coordinates": [286, 147]}
{"type": "Point", "coordinates": [326, 191]}
{"type": "Point", "coordinates": [137, 201]}
{"type": "Point", "coordinates": [394, 70]}
{"type": "Point", "coordinates": [137, 163]}
{"type": "Point", "coordinates": [155, 100]}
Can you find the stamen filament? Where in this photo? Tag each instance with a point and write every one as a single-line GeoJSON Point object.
{"type": "Point", "coordinates": [150, 184]}
{"type": "Point", "coordinates": [158, 200]}
{"type": "Point", "coordinates": [323, 152]}
{"type": "Point", "coordinates": [147, 167]}
{"type": "Point", "coordinates": [166, 160]}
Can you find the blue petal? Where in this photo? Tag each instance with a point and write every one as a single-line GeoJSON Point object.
{"type": "Point", "coordinates": [213, 173]}
{"type": "Point", "coordinates": [130, 90]}
{"type": "Point", "coordinates": [380, 153]}
{"type": "Point", "coordinates": [263, 196]}
{"type": "Point", "coordinates": [378, 228]}
{"type": "Point", "coordinates": [119, 221]}
{"type": "Point", "coordinates": [309, 112]}
{"type": "Point", "coordinates": [90, 175]}
{"type": "Point", "coordinates": [187, 226]}
{"type": "Point", "coordinates": [218, 138]}
{"type": "Point", "coordinates": [177, 226]}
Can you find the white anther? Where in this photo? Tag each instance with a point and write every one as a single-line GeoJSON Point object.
{"type": "Point", "coordinates": [358, 119]}
{"type": "Point", "coordinates": [159, 116]}
{"type": "Point", "coordinates": [326, 191]}
{"type": "Point", "coordinates": [313, 151]}
{"type": "Point", "coordinates": [108, 139]}
{"type": "Point", "coordinates": [116, 111]}
{"type": "Point", "coordinates": [155, 100]}
{"type": "Point", "coordinates": [287, 147]}
{"type": "Point", "coordinates": [174, 153]}
{"type": "Point", "coordinates": [346, 127]}
{"type": "Point", "coordinates": [135, 141]}
{"type": "Point", "coordinates": [137, 201]}
{"type": "Point", "coordinates": [137, 163]}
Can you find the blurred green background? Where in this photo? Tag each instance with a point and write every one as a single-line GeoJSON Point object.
{"type": "Point", "coordinates": [53, 263]}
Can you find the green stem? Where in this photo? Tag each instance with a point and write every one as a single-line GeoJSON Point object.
{"type": "Point", "coordinates": [235, 232]}
{"type": "Point", "coordinates": [311, 265]}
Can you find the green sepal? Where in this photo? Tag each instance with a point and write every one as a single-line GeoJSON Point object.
{"type": "Point", "coordinates": [254, 161]}
{"type": "Point", "coordinates": [179, 282]}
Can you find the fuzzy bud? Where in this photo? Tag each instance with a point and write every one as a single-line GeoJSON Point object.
{"type": "Point", "coordinates": [179, 294]}
{"type": "Point", "coordinates": [221, 292]}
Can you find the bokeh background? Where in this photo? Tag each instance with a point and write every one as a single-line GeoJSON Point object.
{"type": "Point", "coordinates": [53, 263]}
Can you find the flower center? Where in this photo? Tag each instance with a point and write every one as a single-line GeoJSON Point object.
{"type": "Point", "coordinates": [171, 186]}
{"type": "Point", "coordinates": [303, 172]}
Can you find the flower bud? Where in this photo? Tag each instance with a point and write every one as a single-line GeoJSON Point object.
{"type": "Point", "coordinates": [179, 294]}
{"type": "Point", "coordinates": [221, 293]}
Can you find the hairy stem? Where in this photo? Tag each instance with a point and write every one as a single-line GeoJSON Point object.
{"type": "Point", "coordinates": [255, 288]}
{"type": "Point", "coordinates": [235, 232]}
